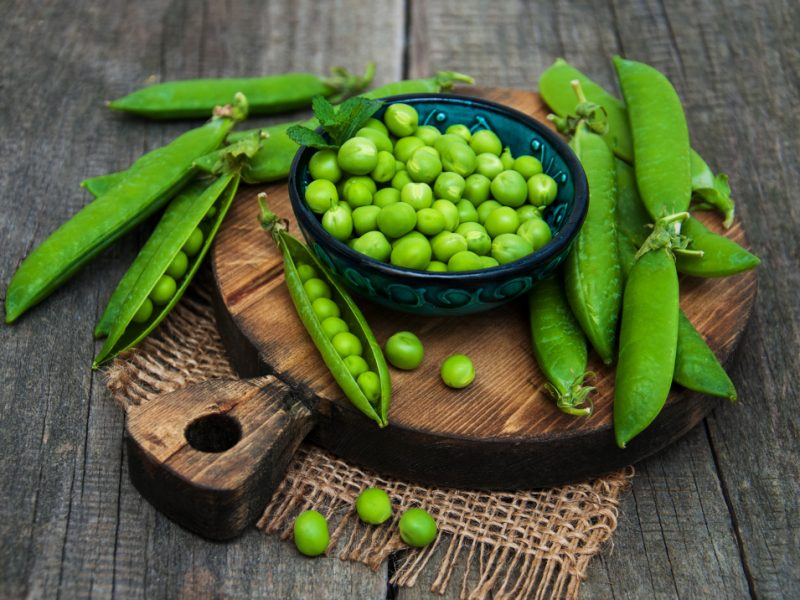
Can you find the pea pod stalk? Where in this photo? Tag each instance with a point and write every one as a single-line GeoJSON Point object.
{"type": "Point", "coordinates": [267, 95]}
{"type": "Point", "coordinates": [142, 192]}
{"type": "Point", "coordinates": [294, 252]}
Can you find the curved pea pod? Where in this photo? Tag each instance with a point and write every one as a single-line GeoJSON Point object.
{"type": "Point", "coordinates": [592, 273]}
{"type": "Point", "coordinates": [711, 191]}
{"type": "Point", "coordinates": [555, 89]}
{"type": "Point", "coordinates": [100, 184]}
{"type": "Point", "coordinates": [696, 366]}
{"type": "Point", "coordinates": [185, 213]}
{"type": "Point", "coordinates": [647, 344]}
{"type": "Point", "coordinates": [137, 196]}
{"type": "Point", "coordinates": [660, 138]}
{"type": "Point", "coordinates": [295, 252]}
{"type": "Point", "coordinates": [274, 159]}
{"type": "Point", "coordinates": [721, 255]}
{"type": "Point", "coordinates": [267, 95]}
{"type": "Point", "coordinates": [559, 346]}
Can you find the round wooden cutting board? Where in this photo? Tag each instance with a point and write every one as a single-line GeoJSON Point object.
{"type": "Point", "coordinates": [502, 432]}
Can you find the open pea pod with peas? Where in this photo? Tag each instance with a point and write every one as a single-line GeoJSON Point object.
{"type": "Point", "coordinates": [334, 322]}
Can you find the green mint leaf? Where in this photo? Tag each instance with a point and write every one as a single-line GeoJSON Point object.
{"type": "Point", "coordinates": [323, 110]}
{"type": "Point", "coordinates": [351, 116]}
{"type": "Point", "coordinates": [308, 137]}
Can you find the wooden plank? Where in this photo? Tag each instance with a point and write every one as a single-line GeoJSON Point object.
{"type": "Point", "coordinates": [72, 523]}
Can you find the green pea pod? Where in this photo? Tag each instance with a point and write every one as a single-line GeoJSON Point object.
{"type": "Point", "coordinates": [721, 255]}
{"type": "Point", "coordinates": [99, 185]}
{"type": "Point", "coordinates": [647, 343]}
{"type": "Point", "coordinates": [711, 190]}
{"type": "Point", "coordinates": [559, 346]}
{"type": "Point", "coordinates": [660, 138]}
{"type": "Point", "coordinates": [267, 95]}
{"type": "Point", "coordinates": [294, 252]}
{"type": "Point", "coordinates": [146, 189]}
{"type": "Point", "coordinates": [696, 365]}
{"type": "Point", "coordinates": [592, 273]}
{"type": "Point", "coordinates": [275, 158]}
{"type": "Point", "coordinates": [184, 214]}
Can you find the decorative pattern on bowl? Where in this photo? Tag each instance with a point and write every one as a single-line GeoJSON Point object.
{"type": "Point", "coordinates": [427, 293]}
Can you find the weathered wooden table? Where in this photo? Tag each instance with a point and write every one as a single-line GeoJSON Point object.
{"type": "Point", "coordinates": [714, 516]}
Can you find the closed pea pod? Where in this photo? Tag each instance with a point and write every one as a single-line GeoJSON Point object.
{"type": "Point", "coordinates": [559, 346]}
{"type": "Point", "coordinates": [294, 252]}
{"type": "Point", "coordinates": [721, 256]}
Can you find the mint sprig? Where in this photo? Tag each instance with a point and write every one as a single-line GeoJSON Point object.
{"type": "Point", "coordinates": [340, 123]}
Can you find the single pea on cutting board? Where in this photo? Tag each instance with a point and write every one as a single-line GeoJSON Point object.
{"type": "Point", "coordinates": [501, 432]}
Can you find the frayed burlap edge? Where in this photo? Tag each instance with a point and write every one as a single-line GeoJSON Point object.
{"type": "Point", "coordinates": [527, 544]}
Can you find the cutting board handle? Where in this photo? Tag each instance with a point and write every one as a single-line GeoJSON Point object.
{"type": "Point", "coordinates": [210, 455]}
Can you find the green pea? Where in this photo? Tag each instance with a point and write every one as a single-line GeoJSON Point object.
{"type": "Point", "coordinates": [385, 169]}
{"type": "Point", "coordinates": [311, 534]}
{"type": "Point", "coordinates": [405, 148]}
{"type": "Point", "coordinates": [478, 242]}
{"type": "Point", "coordinates": [320, 195]}
{"type": "Point", "coordinates": [317, 288]}
{"type": "Point", "coordinates": [346, 344]}
{"type": "Point", "coordinates": [526, 212]}
{"type": "Point", "coordinates": [466, 211]}
{"type": "Point", "coordinates": [381, 140]}
{"type": "Point", "coordinates": [465, 228]}
{"type": "Point", "coordinates": [446, 244]}
{"type": "Point", "coordinates": [508, 247]}
{"type": "Point", "coordinates": [145, 311]}
{"type": "Point", "coordinates": [397, 219]}
{"type": "Point", "coordinates": [446, 140]}
{"type": "Point", "coordinates": [370, 384]}
{"type": "Point", "coordinates": [486, 141]}
{"type": "Point", "coordinates": [536, 232]}
{"type": "Point", "coordinates": [357, 194]}
{"type": "Point", "coordinates": [400, 180]}
{"type": "Point", "coordinates": [358, 179]}
{"type": "Point", "coordinates": [476, 188]}
{"type": "Point", "coordinates": [460, 130]}
{"type": "Point", "coordinates": [509, 188]}
{"type": "Point", "coordinates": [356, 365]}
{"type": "Point", "coordinates": [487, 262]}
{"type": "Point", "coordinates": [428, 134]}
{"type": "Point", "coordinates": [424, 165]}
{"type": "Point", "coordinates": [179, 265]}
{"type": "Point", "coordinates": [527, 166]}
{"type": "Point", "coordinates": [448, 211]}
{"type": "Point", "coordinates": [365, 218]}
{"type": "Point", "coordinates": [323, 165]}
{"type": "Point", "coordinates": [194, 242]}
{"type": "Point", "coordinates": [324, 308]}
{"type": "Point", "coordinates": [508, 160]}
{"type": "Point", "coordinates": [485, 209]}
{"type": "Point", "coordinates": [436, 266]}
{"type": "Point", "coordinates": [464, 261]}
{"type": "Point", "coordinates": [358, 156]}
{"type": "Point", "coordinates": [306, 272]}
{"type": "Point", "coordinates": [401, 119]}
{"type": "Point", "coordinates": [417, 527]}
{"type": "Point", "coordinates": [449, 186]}
{"type": "Point", "coordinates": [163, 290]}
{"type": "Point", "coordinates": [417, 195]}
{"type": "Point", "coordinates": [488, 165]}
{"type": "Point", "coordinates": [457, 371]}
{"type": "Point", "coordinates": [458, 158]}
{"type": "Point", "coordinates": [338, 221]}
{"type": "Point", "coordinates": [333, 325]}
{"type": "Point", "coordinates": [399, 165]}
{"type": "Point", "coordinates": [374, 506]}
{"type": "Point", "coordinates": [501, 220]}
{"type": "Point", "coordinates": [386, 196]}
{"type": "Point", "coordinates": [411, 253]}
{"type": "Point", "coordinates": [373, 244]}
{"type": "Point", "coordinates": [404, 350]}
{"type": "Point", "coordinates": [542, 189]}
{"type": "Point", "coordinates": [377, 125]}
{"type": "Point", "coordinates": [429, 221]}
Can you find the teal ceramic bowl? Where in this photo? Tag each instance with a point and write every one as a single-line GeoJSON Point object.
{"type": "Point", "coordinates": [447, 294]}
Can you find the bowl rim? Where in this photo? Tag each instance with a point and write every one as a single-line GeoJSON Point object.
{"type": "Point", "coordinates": [529, 263]}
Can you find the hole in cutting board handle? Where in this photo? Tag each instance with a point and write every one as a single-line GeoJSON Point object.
{"type": "Point", "coordinates": [213, 433]}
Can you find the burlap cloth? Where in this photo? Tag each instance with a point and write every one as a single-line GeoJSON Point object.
{"type": "Point", "coordinates": [528, 544]}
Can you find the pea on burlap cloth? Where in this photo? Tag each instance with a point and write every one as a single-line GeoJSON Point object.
{"type": "Point", "coordinates": [526, 544]}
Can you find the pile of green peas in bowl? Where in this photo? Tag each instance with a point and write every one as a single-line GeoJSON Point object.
{"type": "Point", "coordinates": [431, 208]}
